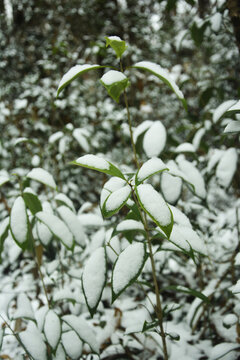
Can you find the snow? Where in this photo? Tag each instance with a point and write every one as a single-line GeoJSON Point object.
{"type": "Point", "coordinates": [141, 128]}
{"type": "Point", "coordinates": [154, 204]}
{"type": "Point", "coordinates": [216, 21]}
{"type": "Point", "coordinates": [150, 167]}
{"type": "Point", "coordinates": [227, 167]}
{"type": "Point", "coordinates": [60, 353]}
{"type": "Point", "coordinates": [193, 176]}
{"type": "Point", "coordinates": [185, 237]}
{"type": "Point", "coordinates": [235, 107]}
{"type": "Point", "coordinates": [91, 220]}
{"type": "Point", "coordinates": [116, 38]}
{"type": "Point", "coordinates": [171, 187]}
{"type": "Point", "coordinates": [232, 126]}
{"type": "Point", "coordinates": [19, 221]}
{"type": "Point", "coordinates": [65, 199]}
{"type": "Point", "coordinates": [164, 73]}
{"type": "Point", "coordinates": [129, 224]}
{"type": "Point", "coordinates": [93, 161]}
{"type": "Point", "coordinates": [72, 344]}
{"type": "Point", "coordinates": [3, 179]}
{"type": "Point", "coordinates": [179, 217]}
{"type": "Point", "coordinates": [83, 330]}
{"type": "Point", "coordinates": [40, 316]}
{"type": "Point", "coordinates": [73, 72]}
{"type": "Point", "coordinates": [80, 136]}
{"type": "Point", "coordinates": [117, 198]}
{"type": "Point", "coordinates": [155, 139]}
{"type": "Point", "coordinates": [42, 176]}
{"type": "Point", "coordinates": [73, 223]}
{"type": "Point", "coordinates": [54, 137]}
{"type": "Point", "coordinates": [3, 226]}
{"type": "Point", "coordinates": [230, 320]}
{"type": "Point", "coordinates": [24, 308]}
{"type": "Point", "coordinates": [57, 227]}
{"type": "Point", "coordinates": [94, 277]}
{"type": "Point", "coordinates": [236, 288]}
{"type": "Point", "coordinates": [52, 328]}
{"type": "Point", "coordinates": [218, 351]}
{"type": "Point", "coordinates": [127, 266]}
{"type": "Point", "coordinates": [222, 108]}
{"type": "Point", "coordinates": [113, 184]}
{"type": "Point", "coordinates": [198, 137]}
{"type": "Point", "coordinates": [112, 77]}
{"type": "Point", "coordinates": [44, 233]}
{"type": "Point", "coordinates": [33, 341]}
{"type": "Point", "coordinates": [185, 147]}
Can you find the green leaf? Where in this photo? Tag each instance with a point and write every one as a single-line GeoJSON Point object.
{"type": "Point", "coordinates": [32, 202]}
{"type": "Point", "coordinates": [149, 168]}
{"type": "Point", "coordinates": [99, 164]}
{"type": "Point", "coordinates": [115, 201]}
{"type": "Point", "coordinates": [115, 82]}
{"type": "Point", "coordinates": [117, 44]}
{"type": "Point", "coordinates": [19, 225]}
{"type": "Point", "coordinates": [150, 325]}
{"type": "Point", "coordinates": [162, 74]}
{"type": "Point", "coordinates": [127, 268]}
{"type": "Point", "coordinates": [188, 291]}
{"type": "Point", "coordinates": [75, 72]}
{"type": "Point", "coordinates": [94, 279]}
{"type": "Point", "coordinates": [197, 33]}
{"type": "Point", "coordinates": [155, 206]}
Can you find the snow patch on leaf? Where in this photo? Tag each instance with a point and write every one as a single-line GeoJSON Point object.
{"type": "Point", "coordinates": [43, 176]}
{"type": "Point", "coordinates": [155, 139]}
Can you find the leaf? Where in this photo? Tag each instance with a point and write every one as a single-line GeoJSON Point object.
{"type": "Point", "coordinates": [154, 140]}
{"type": "Point", "coordinates": [62, 199]}
{"type": "Point", "coordinates": [60, 353]}
{"type": "Point", "coordinates": [150, 325]}
{"type": "Point", "coordinates": [115, 201]}
{"type": "Point", "coordinates": [73, 224]}
{"type": "Point", "coordinates": [189, 291]}
{"type": "Point", "coordinates": [226, 167]}
{"type": "Point", "coordinates": [232, 127]}
{"type": "Point", "coordinates": [57, 227]}
{"type": "Point", "coordinates": [162, 74]}
{"type": "Point", "coordinates": [83, 330]}
{"type": "Point", "coordinates": [171, 187]}
{"type": "Point", "coordinates": [197, 33]}
{"type": "Point", "coordinates": [4, 226]}
{"type": "Point", "coordinates": [43, 176]}
{"type": "Point", "coordinates": [75, 72]}
{"type": "Point", "coordinates": [99, 164]}
{"type": "Point", "coordinates": [220, 350]}
{"type": "Point", "coordinates": [149, 168]}
{"type": "Point", "coordinates": [33, 342]}
{"type": "Point", "coordinates": [127, 268]}
{"type": "Point", "coordinates": [2, 332]}
{"type": "Point", "coordinates": [52, 329]}
{"type": "Point", "coordinates": [222, 109]}
{"type": "Point", "coordinates": [72, 345]}
{"type": "Point", "coordinates": [194, 177]}
{"type": "Point", "coordinates": [235, 108]}
{"type": "Point", "coordinates": [94, 278]}
{"type": "Point", "coordinates": [31, 200]}
{"type": "Point", "coordinates": [4, 179]}
{"type": "Point", "coordinates": [19, 222]}
{"type": "Point", "coordinates": [154, 205]}
{"type": "Point", "coordinates": [44, 234]}
{"type": "Point", "coordinates": [115, 83]}
{"type": "Point", "coordinates": [117, 44]}
{"type": "Point", "coordinates": [24, 308]}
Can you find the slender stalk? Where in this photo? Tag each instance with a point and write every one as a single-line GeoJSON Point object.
{"type": "Point", "coordinates": [41, 275]}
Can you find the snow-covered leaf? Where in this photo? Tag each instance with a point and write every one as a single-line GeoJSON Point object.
{"type": "Point", "coordinates": [219, 351]}
{"type": "Point", "coordinates": [33, 342]}
{"type": "Point", "coordinates": [40, 316]}
{"type": "Point", "coordinates": [83, 330]}
{"type": "Point", "coordinates": [73, 223]}
{"type": "Point", "coordinates": [154, 205]}
{"type": "Point", "coordinates": [171, 187]}
{"type": "Point", "coordinates": [97, 163]}
{"type": "Point", "coordinates": [4, 226]}
{"type": "Point", "coordinates": [80, 136]}
{"type": "Point", "coordinates": [229, 320]}
{"type": "Point", "coordinates": [52, 329]}
{"type": "Point", "coordinates": [150, 168]}
{"type": "Point", "coordinates": [232, 127]}
{"type": "Point", "coordinates": [162, 74]}
{"type": "Point", "coordinates": [222, 108]}
{"type": "Point", "coordinates": [4, 179]}
{"type": "Point", "coordinates": [193, 175]}
{"type": "Point", "coordinates": [155, 139]}
{"type": "Point", "coordinates": [44, 234]}
{"type": "Point", "coordinates": [32, 201]}
{"type": "Point", "coordinates": [62, 199]}
{"type": "Point", "coordinates": [43, 176]}
{"type": "Point", "coordinates": [75, 72]}
{"type": "Point", "coordinates": [115, 201]}
{"type": "Point", "coordinates": [189, 291]}
{"type": "Point", "coordinates": [115, 83]}
{"type": "Point", "coordinates": [57, 227]}
{"type": "Point", "coordinates": [19, 222]}
{"type": "Point", "coordinates": [129, 225]}
{"type": "Point", "coordinates": [94, 279]}
{"type": "Point", "coordinates": [235, 108]}
{"type": "Point", "coordinates": [24, 308]}
{"type": "Point", "coordinates": [185, 147]}
{"type": "Point", "coordinates": [127, 268]}
{"type": "Point", "coordinates": [117, 44]}
{"type": "Point", "coordinates": [113, 184]}
{"type": "Point", "coordinates": [226, 167]}
{"type": "Point", "coordinates": [72, 345]}
{"type": "Point", "coordinates": [60, 353]}
{"type": "Point", "coordinates": [2, 331]}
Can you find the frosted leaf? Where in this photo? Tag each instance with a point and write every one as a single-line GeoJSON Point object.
{"type": "Point", "coordinates": [111, 185]}
{"type": "Point", "coordinates": [42, 176]}
{"type": "Point", "coordinates": [171, 187]}
{"type": "Point", "coordinates": [116, 200]}
{"type": "Point", "coordinates": [112, 77]}
{"type": "Point", "coordinates": [57, 227]}
{"type": "Point", "coordinates": [52, 329]}
{"type": "Point", "coordinates": [94, 278]}
{"type": "Point", "coordinates": [40, 316]}
{"type": "Point", "coordinates": [218, 351]}
{"type": "Point", "coordinates": [193, 175]}
{"type": "Point", "coordinates": [129, 224]}
{"type": "Point", "coordinates": [141, 129]}
{"type": "Point", "coordinates": [62, 198]}
{"type": "Point", "coordinates": [73, 73]}
{"type": "Point", "coordinates": [54, 137]}
{"type": "Point", "coordinates": [185, 147]}
{"type": "Point", "coordinates": [149, 168]}
{"type": "Point", "coordinates": [179, 217]}
{"type": "Point", "coordinates": [118, 45]}
{"type": "Point", "coordinates": [127, 268]}
{"type": "Point", "coordinates": [83, 330]}
{"type": "Point", "coordinates": [153, 203]}
{"type": "Point", "coordinates": [216, 20]}
{"type": "Point", "coordinates": [230, 320]}
{"type": "Point", "coordinates": [186, 238]}
{"type": "Point", "coordinates": [44, 234]}
{"type": "Point", "coordinates": [226, 167]}
{"type": "Point", "coordinates": [24, 308]}
{"type": "Point", "coordinates": [60, 353]}
{"type": "Point", "coordinates": [19, 221]}
{"type": "Point", "coordinates": [221, 109]}
{"type": "Point", "coordinates": [33, 341]}
{"type": "Point", "coordinates": [93, 161]}
{"type": "Point", "coordinates": [91, 220]}
{"type": "Point", "coordinates": [3, 179]}
{"type": "Point", "coordinates": [232, 127]}
{"type": "Point", "coordinates": [155, 139]}
{"type": "Point", "coordinates": [80, 136]}
{"type": "Point", "coordinates": [73, 223]}
{"type": "Point", "coordinates": [117, 38]}
{"type": "Point", "coordinates": [3, 226]}
{"type": "Point", "coordinates": [72, 344]}
{"type": "Point", "coordinates": [198, 137]}
{"type": "Point", "coordinates": [234, 108]}
{"type": "Point", "coordinates": [163, 74]}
